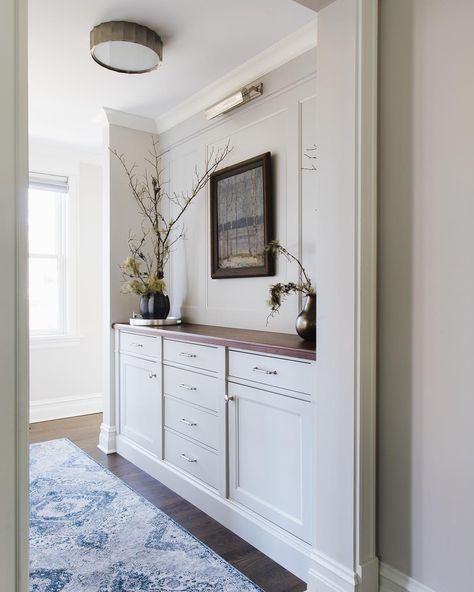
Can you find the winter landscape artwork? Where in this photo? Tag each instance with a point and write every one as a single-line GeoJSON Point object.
{"type": "Point", "coordinates": [241, 223]}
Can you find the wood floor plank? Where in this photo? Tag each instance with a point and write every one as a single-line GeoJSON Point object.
{"type": "Point", "coordinates": [84, 432]}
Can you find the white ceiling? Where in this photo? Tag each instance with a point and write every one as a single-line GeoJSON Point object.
{"type": "Point", "coordinates": [203, 41]}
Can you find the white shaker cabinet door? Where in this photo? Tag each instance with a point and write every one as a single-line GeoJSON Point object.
{"type": "Point", "coordinates": [270, 456]}
{"type": "Point", "coordinates": [140, 402]}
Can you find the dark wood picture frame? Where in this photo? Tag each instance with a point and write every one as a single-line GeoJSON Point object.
{"type": "Point", "coordinates": [263, 161]}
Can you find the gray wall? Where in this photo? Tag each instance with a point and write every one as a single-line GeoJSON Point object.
{"type": "Point", "coordinates": [426, 283]}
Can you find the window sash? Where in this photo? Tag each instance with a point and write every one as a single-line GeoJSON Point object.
{"type": "Point", "coordinates": [51, 183]}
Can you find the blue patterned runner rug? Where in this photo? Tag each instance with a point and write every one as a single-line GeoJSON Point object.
{"type": "Point", "coordinates": [89, 532]}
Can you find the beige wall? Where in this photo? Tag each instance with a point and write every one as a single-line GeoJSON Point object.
{"type": "Point", "coordinates": [426, 299]}
{"type": "Point", "coordinates": [120, 217]}
{"type": "Point", "coordinates": [282, 122]}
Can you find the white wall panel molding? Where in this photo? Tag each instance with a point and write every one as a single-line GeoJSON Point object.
{"type": "Point", "coordinates": [207, 127]}
{"type": "Point", "coordinates": [274, 124]}
{"type": "Point", "coordinates": [57, 408]}
{"type": "Point", "coordinates": [392, 580]}
{"type": "Point", "coordinates": [273, 57]}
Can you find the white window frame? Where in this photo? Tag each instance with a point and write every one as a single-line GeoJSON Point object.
{"type": "Point", "coordinates": [67, 317]}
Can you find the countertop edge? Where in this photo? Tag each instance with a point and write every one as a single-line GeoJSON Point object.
{"type": "Point", "coordinates": [303, 353]}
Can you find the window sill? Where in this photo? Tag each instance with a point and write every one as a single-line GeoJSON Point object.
{"type": "Point", "coordinates": [46, 341]}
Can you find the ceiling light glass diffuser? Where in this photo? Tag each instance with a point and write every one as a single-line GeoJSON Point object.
{"type": "Point", "coordinates": [126, 47]}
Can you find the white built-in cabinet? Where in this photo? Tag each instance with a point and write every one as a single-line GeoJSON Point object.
{"type": "Point", "coordinates": [228, 428]}
{"type": "Point", "coordinates": [138, 403]}
{"type": "Point", "coordinates": [269, 456]}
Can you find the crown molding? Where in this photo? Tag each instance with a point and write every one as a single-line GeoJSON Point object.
{"type": "Point", "coordinates": [123, 119]}
{"type": "Point", "coordinates": [268, 60]}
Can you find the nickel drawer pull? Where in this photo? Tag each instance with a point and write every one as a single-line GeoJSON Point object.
{"type": "Point", "coordinates": [187, 422]}
{"type": "Point", "coordinates": [187, 355]}
{"type": "Point", "coordinates": [257, 369]}
{"type": "Point", "coordinates": [152, 375]}
{"type": "Point", "coordinates": [188, 458]}
{"type": "Point", "coordinates": [135, 344]}
{"type": "Point", "coordinates": [187, 387]}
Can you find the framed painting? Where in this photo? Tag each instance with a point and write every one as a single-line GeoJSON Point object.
{"type": "Point", "coordinates": [241, 219]}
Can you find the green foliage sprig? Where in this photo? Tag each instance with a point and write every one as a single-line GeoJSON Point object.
{"type": "Point", "coordinates": [280, 291]}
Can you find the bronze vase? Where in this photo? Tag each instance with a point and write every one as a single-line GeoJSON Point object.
{"type": "Point", "coordinates": [306, 320]}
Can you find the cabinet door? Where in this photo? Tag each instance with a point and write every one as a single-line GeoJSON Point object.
{"type": "Point", "coordinates": [140, 402]}
{"type": "Point", "coordinates": [270, 460]}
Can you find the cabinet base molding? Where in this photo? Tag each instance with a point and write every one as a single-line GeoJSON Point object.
{"type": "Point", "coordinates": [290, 552]}
{"type": "Point", "coordinates": [107, 439]}
{"type": "Point", "coordinates": [327, 575]}
{"type": "Point", "coordinates": [392, 580]}
{"type": "Point", "coordinates": [369, 576]}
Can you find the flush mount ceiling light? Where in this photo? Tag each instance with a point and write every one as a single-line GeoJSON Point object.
{"type": "Point", "coordinates": [126, 47]}
{"type": "Point", "coordinates": [244, 95]}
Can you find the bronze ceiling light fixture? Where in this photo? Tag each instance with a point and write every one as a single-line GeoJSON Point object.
{"type": "Point", "coordinates": [126, 47]}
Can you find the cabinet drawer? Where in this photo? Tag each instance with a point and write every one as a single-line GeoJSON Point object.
{"type": "Point", "coordinates": [192, 458]}
{"type": "Point", "coordinates": [142, 345]}
{"type": "Point", "coordinates": [194, 423]}
{"type": "Point", "coordinates": [293, 375]}
{"type": "Point", "coordinates": [191, 386]}
{"type": "Point", "coordinates": [205, 357]}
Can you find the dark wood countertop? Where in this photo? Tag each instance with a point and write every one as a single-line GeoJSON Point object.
{"type": "Point", "coordinates": [282, 344]}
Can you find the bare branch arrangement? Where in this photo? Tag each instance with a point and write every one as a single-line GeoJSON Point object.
{"type": "Point", "coordinates": [279, 291]}
{"type": "Point", "coordinates": [143, 270]}
{"type": "Point", "coordinates": [310, 154]}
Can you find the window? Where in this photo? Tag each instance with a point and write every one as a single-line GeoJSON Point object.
{"type": "Point", "coordinates": [47, 206]}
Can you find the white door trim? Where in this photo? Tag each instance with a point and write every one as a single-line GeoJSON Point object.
{"type": "Point", "coordinates": [13, 299]}
{"type": "Point", "coordinates": [361, 574]}
{"type": "Point", "coordinates": [366, 305]}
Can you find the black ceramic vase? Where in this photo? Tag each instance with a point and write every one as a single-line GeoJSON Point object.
{"type": "Point", "coordinates": [306, 320]}
{"type": "Point", "coordinates": [154, 306]}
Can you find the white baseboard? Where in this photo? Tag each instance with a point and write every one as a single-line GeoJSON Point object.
{"type": "Point", "coordinates": [48, 409]}
{"type": "Point", "coordinates": [392, 580]}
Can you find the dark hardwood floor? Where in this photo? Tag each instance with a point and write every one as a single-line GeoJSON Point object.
{"type": "Point", "coordinates": [84, 432]}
